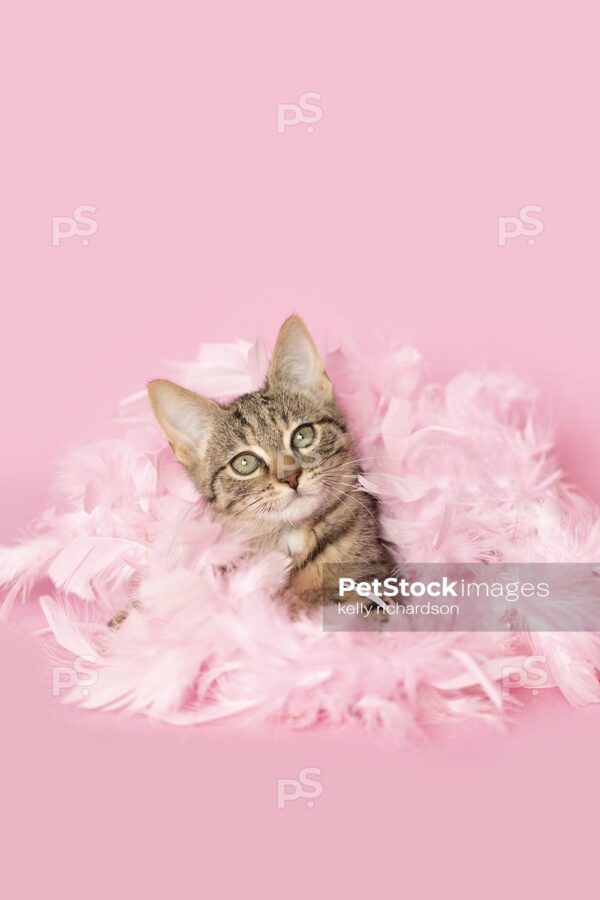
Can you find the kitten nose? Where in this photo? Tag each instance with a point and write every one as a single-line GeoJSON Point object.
{"type": "Point", "coordinates": [292, 479]}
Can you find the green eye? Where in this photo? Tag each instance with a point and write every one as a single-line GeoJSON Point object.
{"type": "Point", "coordinates": [303, 436]}
{"type": "Point", "coordinates": [245, 463]}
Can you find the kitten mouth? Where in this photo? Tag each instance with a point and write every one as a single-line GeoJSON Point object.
{"type": "Point", "coordinates": [298, 507]}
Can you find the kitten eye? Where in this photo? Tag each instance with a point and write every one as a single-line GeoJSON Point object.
{"type": "Point", "coordinates": [245, 463]}
{"type": "Point", "coordinates": [303, 436]}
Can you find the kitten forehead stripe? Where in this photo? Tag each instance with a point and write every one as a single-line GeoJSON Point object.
{"type": "Point", "coordinates": [327, 420]}
{"type": "Point", "coordinates": [241, 417]}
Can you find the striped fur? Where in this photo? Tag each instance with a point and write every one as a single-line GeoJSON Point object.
{"type": "Point", "coordinates": [302, 500]}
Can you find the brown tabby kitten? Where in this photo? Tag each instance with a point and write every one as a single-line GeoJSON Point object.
{"type": "Point", "coordinates": [278, 466]}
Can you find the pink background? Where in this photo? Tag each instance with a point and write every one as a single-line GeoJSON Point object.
{"type": "Point", "coordinates": [438, 119]}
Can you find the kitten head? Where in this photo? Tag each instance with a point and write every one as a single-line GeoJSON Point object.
{"type": "Point", "coordinates": [279, 455]}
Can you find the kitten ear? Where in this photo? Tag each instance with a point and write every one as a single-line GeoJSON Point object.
{"type": "Point", "coordinates": [296, 362]}
{"type": "Point", "coordinates": [185, 417]}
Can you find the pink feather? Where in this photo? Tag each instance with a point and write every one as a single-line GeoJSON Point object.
{"type": "Point", "coordinates": [465, 472]}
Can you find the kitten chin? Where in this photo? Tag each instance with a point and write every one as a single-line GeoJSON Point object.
{"type": "Point", "coordinates": [300, 509]}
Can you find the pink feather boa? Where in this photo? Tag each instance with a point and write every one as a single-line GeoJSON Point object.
{"type": "Point", "coordinates": [464, 473]}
